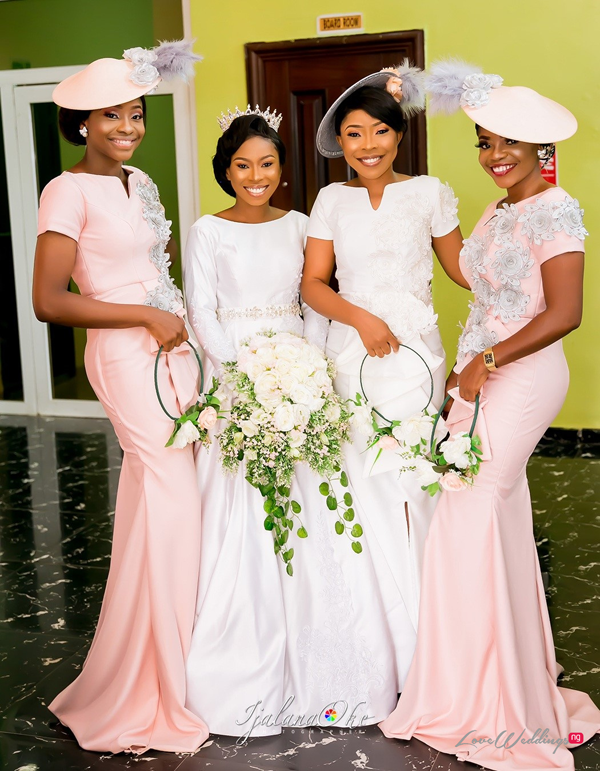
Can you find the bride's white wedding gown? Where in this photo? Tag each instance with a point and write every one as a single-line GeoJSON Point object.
{"type": "Point", "coordinates": [269, 649]}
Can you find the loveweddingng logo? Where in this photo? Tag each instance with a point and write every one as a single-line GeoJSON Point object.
{"type": "Point", "coordinates": [337, 713]}
{"type": "Point", "coordinates": [506, 740]}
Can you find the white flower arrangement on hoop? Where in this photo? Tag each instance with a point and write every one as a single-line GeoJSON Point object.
{"type": "Point", "coordinates": [285, 411]}
{"type": "Point", "coordinates": [440, 461]}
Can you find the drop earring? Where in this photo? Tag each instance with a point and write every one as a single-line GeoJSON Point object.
{"type": "Point", "coordinates": [83, 131]}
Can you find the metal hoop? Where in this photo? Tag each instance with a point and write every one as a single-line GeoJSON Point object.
{"type": "Point", "coordinates": [439, 415]}
{"type": "Point", "coordinates": [383, 417]}
{"type": "Point", "coordinates": [160, 401]}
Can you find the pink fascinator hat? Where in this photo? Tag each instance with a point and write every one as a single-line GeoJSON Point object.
{"type": "Point", "coordinates": [512, 112]}
{"type": "Point", "coordinates": [107, 82]}
{"type": "Point", "coordinates": [404, 82]}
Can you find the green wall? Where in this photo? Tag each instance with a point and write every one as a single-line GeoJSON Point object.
{"type": "Point", "coordinates": [550, 46]}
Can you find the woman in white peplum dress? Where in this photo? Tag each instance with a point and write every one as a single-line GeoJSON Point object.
{"type": "Point", "coordinates": [379, 230]}
{"type": "Point", "coordinates": [270, 650]}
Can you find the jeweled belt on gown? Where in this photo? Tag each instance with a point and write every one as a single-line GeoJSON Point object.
{"type": "Point", "coordinates": [267, 312]}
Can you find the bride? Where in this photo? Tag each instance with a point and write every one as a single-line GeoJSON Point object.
{"type": "Point", "coordinates": [269, 649]}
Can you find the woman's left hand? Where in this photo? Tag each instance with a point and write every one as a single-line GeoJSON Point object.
{"type": "Point", "coordinates": [472, 378]}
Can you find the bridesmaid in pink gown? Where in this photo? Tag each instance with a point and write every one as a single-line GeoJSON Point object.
{"type": "Point", "coordinates": [102, 223]}
{"type": "Point", "coordinates": [482, 685]}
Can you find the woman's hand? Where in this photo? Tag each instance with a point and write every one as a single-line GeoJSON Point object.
{"type": "Point", "coordinates": [472, 378]}
{"type": "Point", "coordinates": [451, 383]}
{"type": "Point", "coordinates": [167, 328]}
{"type": "Point", "coordinates": [376, 336]}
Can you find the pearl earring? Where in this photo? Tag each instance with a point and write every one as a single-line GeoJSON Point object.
{"type": "Point", "coordinates": [83, 131]}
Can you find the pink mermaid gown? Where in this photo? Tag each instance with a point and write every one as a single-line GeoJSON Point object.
{"type": "Point", "coordinates": [485, 661]}
{"type": "Point", "coordinates": [130, 695]}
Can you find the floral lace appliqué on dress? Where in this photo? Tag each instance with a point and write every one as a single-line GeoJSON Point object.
{"type": "Point", "coordinates": [516, 235]}
{"type": "Point", "coordinates": [166, 295]}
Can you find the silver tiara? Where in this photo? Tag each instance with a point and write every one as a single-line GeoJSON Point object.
{"type": "Point", "coordinates": [272, 118]}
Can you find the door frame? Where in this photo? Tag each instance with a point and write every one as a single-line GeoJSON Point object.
{"type": "Point", "coordinates": [18, 90]}
{"type": "Point", "coordinates": [257, 53]}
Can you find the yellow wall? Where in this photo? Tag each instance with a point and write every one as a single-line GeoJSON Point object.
{"type": "Point", "coordinates": [551, 46]}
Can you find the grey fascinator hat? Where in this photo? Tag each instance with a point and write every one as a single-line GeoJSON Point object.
{"type": "Point", "coordinates": [405, 83]}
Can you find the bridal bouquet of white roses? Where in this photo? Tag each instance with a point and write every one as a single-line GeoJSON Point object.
{"type": "Point", "coordinates": [285, 411]}
{"type": "Point", "coordinates": [441, 461]}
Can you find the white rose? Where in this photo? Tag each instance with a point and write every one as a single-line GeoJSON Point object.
{"type": "Point", "coordinates": [362, 420]}
{"type": "Point", "coordinates": [457, 450]}
{"type": "Point", "coordinates": [286, 352]}
{"type": "Point", "coordinates": [251, 455]}
{"type": "Point", "coordinates": [287, 383]}
{"type": "Point", "coordinates": [283, 367]}
{"type": "Point", "coordinates": [301, 371]}
{"type": "Point", "coordinates": [238, 437]}
{"type": "Point", "coordinates": [301, 415]}
{"type": "Point", "coordinates": [321, 378]}
{"type": "Point", "coordinates": [266, 355]}
{"type": "Point", "coordinates": [412, 430]}
{"type": "Point", "coordinates": [283, 417]}
{"type": "Point", "coordinates": [333, 412]}
{"type": "Point", "coordinates": [268, 439]}
{"type": "Point", "coordinates": [266, 387]}
{"type": "Point", "coordinates": [259, 417]}
{"type": "Point", "coordinates": [297, 438]}
{"type": "Point", "coordinates": [249, 427]}
{"type": "Point", "coordinates": [301, 394]}
{"type": "Point", "coordinates": [426, 474]}
{"type": "Point", "coordinates": [187, 434]}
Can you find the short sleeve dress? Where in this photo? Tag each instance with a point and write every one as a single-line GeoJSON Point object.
{"type": "Point", "coordinates": [130, 694]}
{"type": "Point", "coordinates": [485, 661]}
{"type": "Point", "coordinates": [384, 263]}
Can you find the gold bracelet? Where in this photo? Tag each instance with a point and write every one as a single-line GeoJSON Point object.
{"type": "Point", "coordinates": [489, 359]}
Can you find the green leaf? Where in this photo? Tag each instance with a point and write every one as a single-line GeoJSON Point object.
{"type": "Point", "coordinates": [332, 503]}
{"type": "Point", "coordinates": [302, 532]}
{"type": "Point", "coordinates": [284, 537]}
{"type": "Point", "coordinates": [349, 515]}
{"type": "Point", "coordinates": [287, 555]}
{"type": "Point", "coordinates": [296, 507]}
{"type": "Point", "coordinates": [347, 499]}
{"type": "Point", "coordinates": [344, 479]}
{"type": "Point", "coordinates": [268, 505]}
{"type": "Point", "coordinates": [324, 488]}
{"type": "Point", "coordinates": [240, 455]}
{"type": "Point", "coordinates": [278, 512]}
{"type": "Point", "coordinates": [276, 547]}
{"type": "Point", "coordinates": [289, 569]}
{"type": "Point", "coordinates": [357, 546]}
{"type": "Point", "coordinates": [172, 437]}
{"type": "Point", "coordinates": [339, 528]}
{"type": "Point", "coordinates": [269, 523]}
{"type": "Point", "coordinates": [356, 531]}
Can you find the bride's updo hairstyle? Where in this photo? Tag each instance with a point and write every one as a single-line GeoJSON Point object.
{"type": "Point", "coordinates": [242, 129]}
{"type": "Point", "coordinates": [377, 103]}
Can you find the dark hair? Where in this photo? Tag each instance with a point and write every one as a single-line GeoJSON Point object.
{"type": "Point", "coordinates": [378, 103]}
{"type": "Point", "coordinates": [69, 122]}
{"type": "Point", "coordinates": [242, 129]}
{"type": "Point", "coordinates": [548, 147]}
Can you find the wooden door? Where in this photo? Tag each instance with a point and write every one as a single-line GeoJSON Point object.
{"type": "Point", "coordinates": [302, 78]}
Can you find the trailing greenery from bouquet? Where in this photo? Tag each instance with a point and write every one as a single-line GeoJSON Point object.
{"type": "Point", "coordinates": [285, 411]}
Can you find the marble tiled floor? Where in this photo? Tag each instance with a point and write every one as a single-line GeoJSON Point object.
{"type": "Point", "coordinates": [58, 480]}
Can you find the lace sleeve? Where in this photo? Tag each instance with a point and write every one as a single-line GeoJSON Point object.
{"type": "Point", "coordinates": [316, 327]}
{"type": "Point", "coordinates": [445, 216]}
{"type": "Point", "coordinates": [200, 281]}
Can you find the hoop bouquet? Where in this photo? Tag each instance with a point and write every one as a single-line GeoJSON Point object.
{"type": "Point", "coordinates": [197, 420]}
{"type": "Point", "coordinates": [284, 412]}
{"type": "Point", "coordinates": [441, 461]}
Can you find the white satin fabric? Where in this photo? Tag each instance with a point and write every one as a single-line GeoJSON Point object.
{"type": "Point", "coordinates": [384, 264]}
{"type": "Point", "coordinates": [269, 649]}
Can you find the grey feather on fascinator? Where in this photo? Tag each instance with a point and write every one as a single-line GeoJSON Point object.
{"type": "Point", "coordinates": [444, 84]}
{"type": "Point", "coordinates": [413, 88]}
{"type": "Point", "coordinates": [175, 59]}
